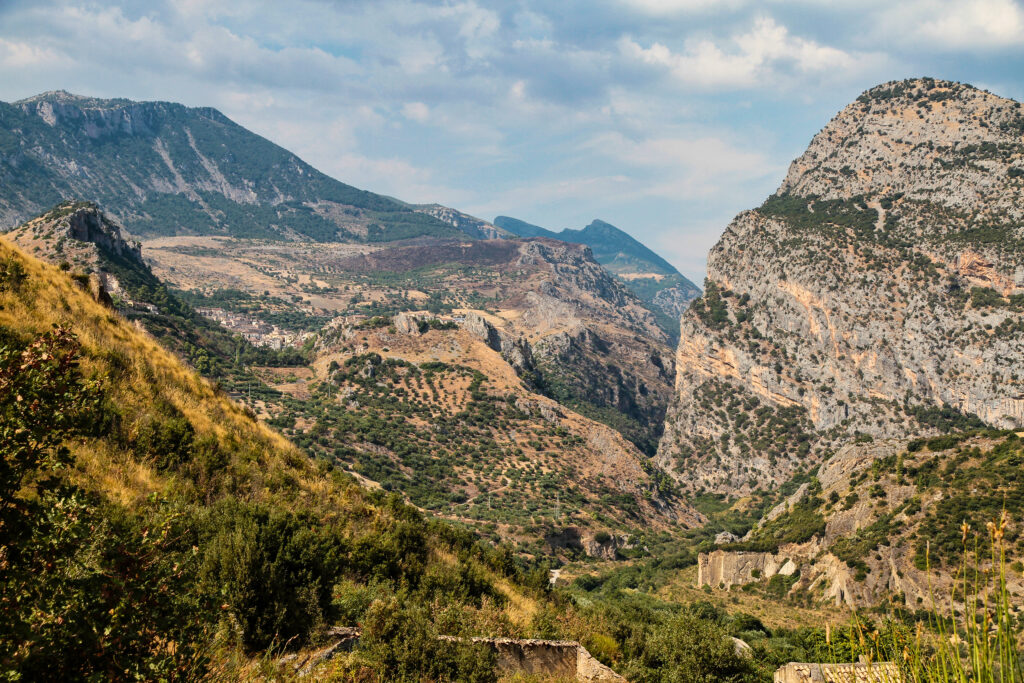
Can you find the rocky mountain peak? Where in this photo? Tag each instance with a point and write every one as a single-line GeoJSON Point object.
{"type": "Point", "coordinates": [923, 139]}
{"type": "Point", "coordinates": [65, 97]}
{"type": "Point", "coordinates": [879, 292]}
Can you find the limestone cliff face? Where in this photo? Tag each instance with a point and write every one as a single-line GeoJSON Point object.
{"type": "Point", "coordinates": [880, 291]}
{"type": "Point", "coordinates": [81, 237]}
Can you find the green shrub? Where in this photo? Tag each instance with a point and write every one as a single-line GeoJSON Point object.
{"type": "Point", "coordinates": [400, 643]}
{"type": "Point", "coordinates": [274, 571]}
{"type": "Point", "coordinates": [688, 649]}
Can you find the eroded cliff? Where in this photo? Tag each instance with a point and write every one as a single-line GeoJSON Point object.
{"type": "Point", "coordinates": [879, 292]}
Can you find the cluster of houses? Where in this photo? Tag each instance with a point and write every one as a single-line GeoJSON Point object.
{"type": "Point", "coordinates": [255, 331]}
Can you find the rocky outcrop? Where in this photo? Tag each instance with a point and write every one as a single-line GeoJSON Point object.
{"type": "Point", "coordinates": [515, 351]}
{"type": "Point", "coordinates": [472, 226]}
{"type": "Point", "coordinates": [81, 237]}
{"type": "Point", "coordinates": [912, 197]}
{"type": "Point", "coordinates": [78, 233]}
{"type": "Point", "coordinates": [725, 569]}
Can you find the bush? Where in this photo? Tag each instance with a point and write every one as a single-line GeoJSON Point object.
{"type": "Point", "coordinates": [88, 590]}
{"type": "Point", "coordinates": [688, 649]}
{"type": "Point", "coordinates": [399, 642]}
{"type": "Point", "coordinates": [273, 570]}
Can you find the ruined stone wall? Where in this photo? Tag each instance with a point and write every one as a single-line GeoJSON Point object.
{"type": "Point", "coordinates": [801, 672]}
{"type": "Point", "coordinates": [558, 659]}
{"type": "Point", "coordinates": [728, 568]}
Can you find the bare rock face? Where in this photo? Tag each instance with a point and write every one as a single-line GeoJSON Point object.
{"type": "Point", "coordinates": [472, 226]}
{"type": "Point", "coordinates": [880, 292]}
{"type": "Point", "coordinates": [725, 569]}
{"type": "Point", "coordinates": [78, 233]}
{"type": "Point", "coordinates": [514, 350]}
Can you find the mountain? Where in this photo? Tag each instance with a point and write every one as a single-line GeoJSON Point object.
{"type": "Point", "coordinates": [878, 294]}
{"type": "Point", "coordinates": [141, 506]}
{"type": "Point", "coordinates": [648, 275]}
{"type": "Point", "coordinates": [163, 169]}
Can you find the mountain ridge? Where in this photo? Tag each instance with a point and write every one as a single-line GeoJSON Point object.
{"type": "Point", "coordinates": [657, 282]}
{"type": "Point", "coordinates": [192, 171]}
{"type": "Point", "coordinates": [903, 333]}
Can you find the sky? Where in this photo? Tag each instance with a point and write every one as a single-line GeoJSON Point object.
{"type": "Point", "coordinates": [663, 117]}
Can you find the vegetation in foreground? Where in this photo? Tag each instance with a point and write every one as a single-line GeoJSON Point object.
{"type": "Point", "coordinates": [151, 529]}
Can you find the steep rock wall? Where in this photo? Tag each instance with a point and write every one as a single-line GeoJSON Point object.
{"type": "Point", "coordinates": [880, 292]}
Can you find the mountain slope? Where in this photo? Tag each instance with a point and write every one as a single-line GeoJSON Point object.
{"type": "Point", "coordinates": [140, 506]}
{"type": "Point", "coordinates": [883, 522]}
{"type": "Point", "coordinates": [912, 196]}
{"type": "Point", "coordinates": [648, 275]}
{"type": "Point", "coordinates": [82, 239]}
{"type": "Point", "coordinates": [340, 415]}
{"type": "Point", "coordinates": [164, 169]}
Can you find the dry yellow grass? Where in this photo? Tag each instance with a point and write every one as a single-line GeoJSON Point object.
{"type": "Point", "coordinates": [139, 374]}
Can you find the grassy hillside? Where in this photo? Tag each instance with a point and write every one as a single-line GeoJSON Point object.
{"type": "Point", "coordinates": [152, 529]}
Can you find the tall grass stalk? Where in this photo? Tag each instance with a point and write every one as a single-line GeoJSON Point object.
{"type": "Point", "coordinates": [978, 643]}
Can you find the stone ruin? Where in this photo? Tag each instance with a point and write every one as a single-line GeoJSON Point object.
{"type": "Point", "coordinates": [560, 659]}
{"type": "Point", "coordinates": [861, 672]}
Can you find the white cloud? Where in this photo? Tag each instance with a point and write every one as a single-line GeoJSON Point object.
{"type": "Point", "coordinates": [754, 58]}
{"type": "Point", "coordinates": [961, 24]}
{"type": "Point", "coordinates": [709, 154]}
{"type": "Point", "coordinates": [677, 6]}
{"type": "Point", "coordinates": [695, 166]}
{"type": "Point", "coordinates": [20, 54]}
{"type": "Point", "coordinates": [416, 111]}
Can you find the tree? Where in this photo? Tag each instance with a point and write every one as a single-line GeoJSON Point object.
{"type": "Point", "coordinates": [688, 649]}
